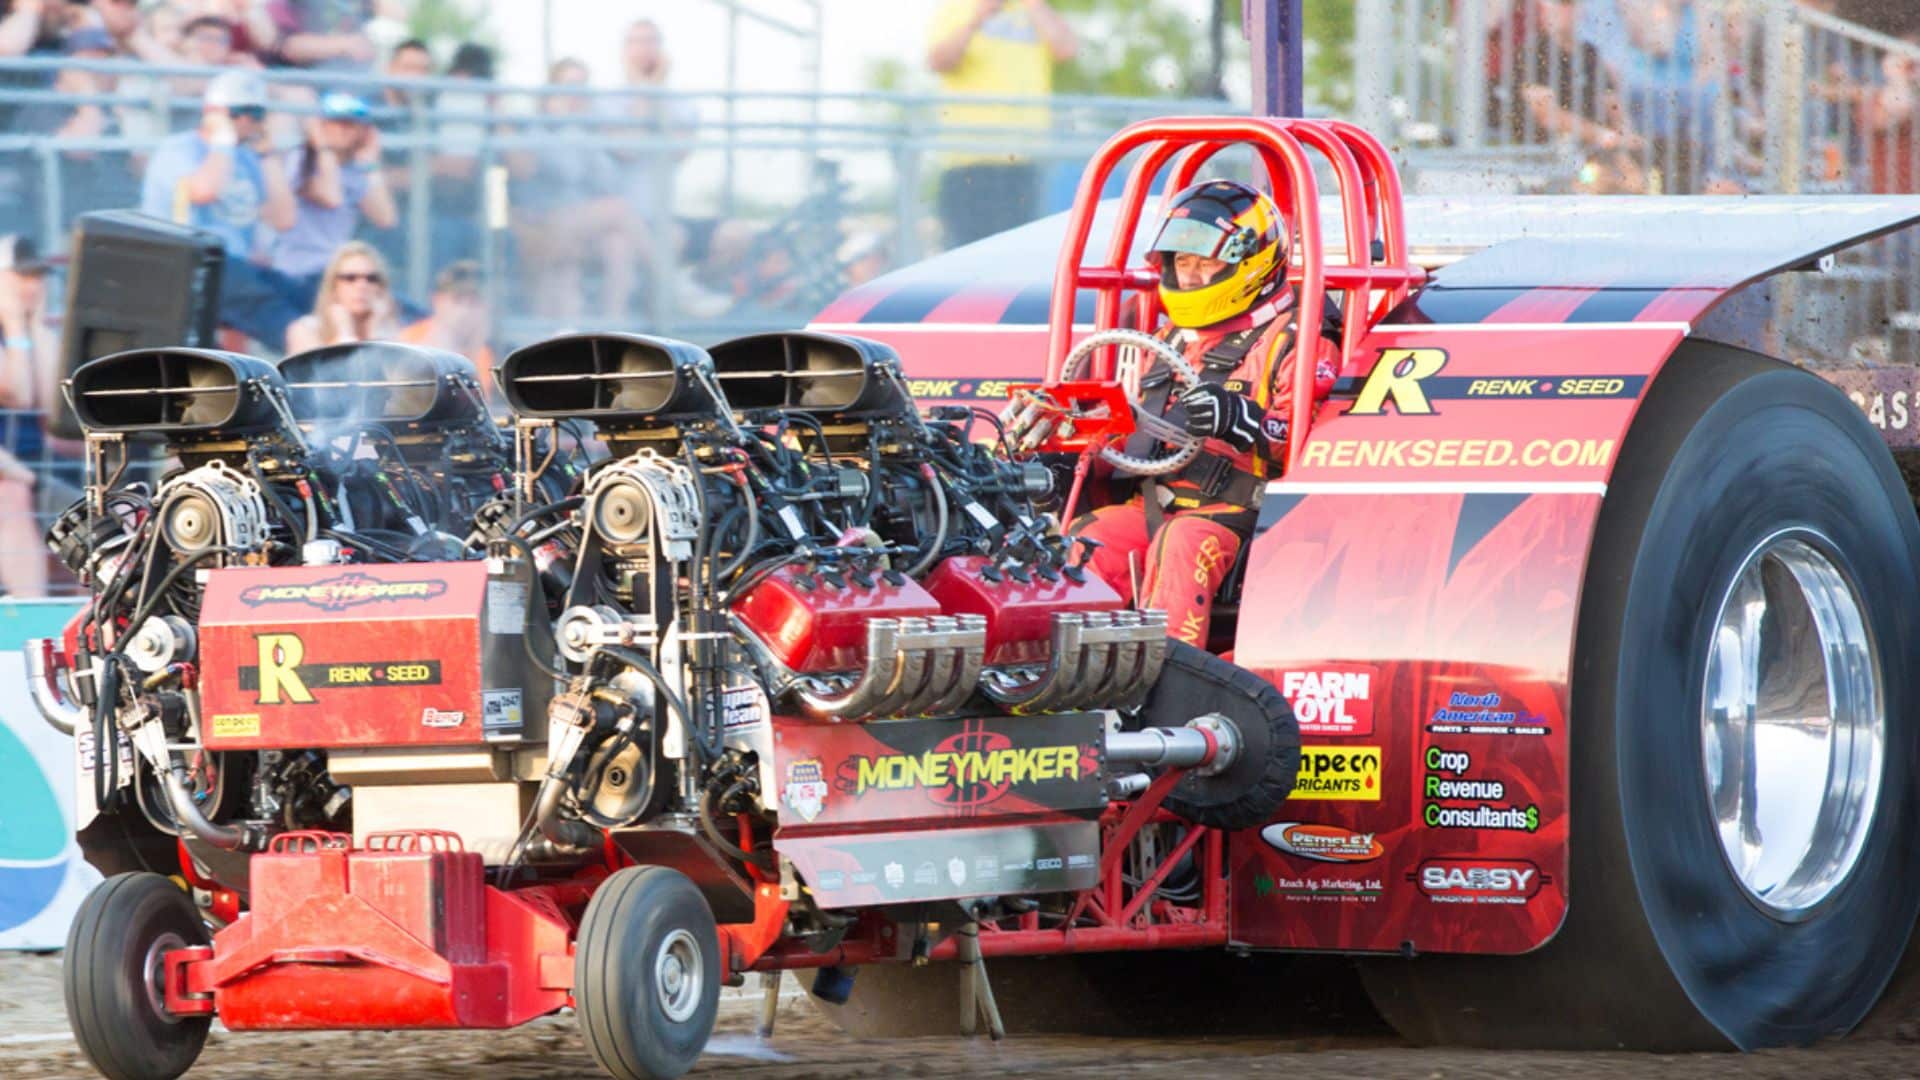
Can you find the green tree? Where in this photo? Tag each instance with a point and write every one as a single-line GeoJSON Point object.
{"type": "Point", "coordinates": [1329, 53]}
{"type": "Point", "coordinates": [444, 24]}
{"type": "Point", "coordinates": [1154, 48]}
{"type": "Point", "coordinates": [1138, 48]}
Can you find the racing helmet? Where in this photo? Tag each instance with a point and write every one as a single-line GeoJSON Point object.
{"type": "Point", "coordinates": [1229, 221]}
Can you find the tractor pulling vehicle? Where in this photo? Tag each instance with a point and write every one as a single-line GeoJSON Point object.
{"type": "Point", "coordinates": [797, 676]}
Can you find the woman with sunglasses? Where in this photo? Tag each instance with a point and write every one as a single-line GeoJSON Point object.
{"type": "Point", "coordinates": [353, 305]}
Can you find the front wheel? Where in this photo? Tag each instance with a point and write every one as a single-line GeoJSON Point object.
{"type": "Point", "coordinates": [1246, 794]}
{"type": "Point", "coordinates": [646, 974]}
{"type": "Point", "coordinates": [116, 999]}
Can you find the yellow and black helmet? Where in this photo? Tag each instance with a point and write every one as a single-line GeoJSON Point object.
{"type": "Point", "coordinates": [1228, 221]}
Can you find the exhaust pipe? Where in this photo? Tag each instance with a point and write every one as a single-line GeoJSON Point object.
{"type": "Point", "coordinates": [45, 681]}
{"type": "Point", "coordinates": [1099, 660]}
{"type": "Point", "coordinates": [180, 800]}
{"type": "Point", "coordinates": [915, 667]}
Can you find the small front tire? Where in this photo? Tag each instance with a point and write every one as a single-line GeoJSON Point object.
{"type": "Point", "coordinates": [116, 1002]}
{"type": "Point", "coordinates": [647, 974]}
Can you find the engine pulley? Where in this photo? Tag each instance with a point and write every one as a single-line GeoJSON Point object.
{"type": "Point", "coordinates": [161, 640]}
{"type": "Point", "coordinates": [212, 506]}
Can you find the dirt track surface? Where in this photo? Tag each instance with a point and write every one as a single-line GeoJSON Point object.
{"type": "Point", "coordinates": [33, 1044]}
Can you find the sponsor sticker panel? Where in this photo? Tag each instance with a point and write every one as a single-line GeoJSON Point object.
{"type": "Point", "coordinates": [1339, 772]}
{"type": "Point", "coordinates": [1479, 881]}
{"type": "Point", "coordinates": [913, 866]}
{"type": "Point", "coordinates": [1459, 601]}
{"type": "Point", "coordinates": [1451, 840]}
{"type": "Point", "coordinates": [1520, 405]}
{"type": "Point", "coordinates": [1323, 843]}
{"type": "Point", "coordinates": [1333, 699]}
{"type": "Point", "coordinates": [941, 770]}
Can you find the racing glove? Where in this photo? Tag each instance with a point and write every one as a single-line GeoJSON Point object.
{"type": "Point", "coordinates": [1215, 412]}
{"type": "Point", "coordinates": [1026, 422]}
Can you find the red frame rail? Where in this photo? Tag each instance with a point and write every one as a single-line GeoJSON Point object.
{"type": "Point", "coordinates": [1370, 198]}
{"type": "Point", "coordinates": [1112, 916]}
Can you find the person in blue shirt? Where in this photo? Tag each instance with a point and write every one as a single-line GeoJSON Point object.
{"type": "Point", "coordinates": [223, 177]}
{"type": "Point", "coordinates": [337, 183]}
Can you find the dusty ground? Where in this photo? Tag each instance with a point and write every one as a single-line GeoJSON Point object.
{"type": "Point", "coordinates": [33, 1043]}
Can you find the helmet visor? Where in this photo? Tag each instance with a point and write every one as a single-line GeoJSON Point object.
{"type": "Point", "coordinates": [1193, 236]}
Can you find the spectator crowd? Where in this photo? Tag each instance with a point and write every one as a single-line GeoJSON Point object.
{"type": "Point", "coordinates": [174, 108]}
{"type": "Point", "coordinates": [563, 196]}
{"type": "Point", "coordinates": [1672, 95]}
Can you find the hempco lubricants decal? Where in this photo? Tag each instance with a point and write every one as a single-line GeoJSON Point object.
{"type": "Point", "coordinates": [1334, 699]}
{"type": "Point", "coordinates": [1478, 881]}
{"type": "Point", "coordinates": [339, 593]}
{"type": "Point", "coordinates": [1446, 781]}
{"type": "Point", "coordinates": [969, 769]}
{"type": "Point", "coordinates": [1468, 713]}
{"type": "Point", "coordinates": [1323, 843]}
{"type": "Point", "coordinates": [283, 678]}
{"type": "Point", "coordinates": [1338, 772]}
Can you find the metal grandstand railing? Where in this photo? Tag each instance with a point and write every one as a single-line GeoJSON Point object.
{"type": "Point", "coordinates": [796, 193]}
{"type": "Point", "coordinates": [1648, 95]}
{"type": "Point", "coordinates": [1497, 96]}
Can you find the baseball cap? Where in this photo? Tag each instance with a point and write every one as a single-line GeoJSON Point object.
{"type": "Point", "coordinates": [340, 105]}
{"type": "Point", "coordinates": [89, 39]}
{"type": "Point", "coordinates": [461, 278]}
{"type": "Point", "coordinates": [20, 255]}
{"type": "Point", "coordinates": [236, 90]}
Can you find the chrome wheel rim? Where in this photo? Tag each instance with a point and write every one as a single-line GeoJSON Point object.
{"type": "Point", "coordinates": [153, 973]}
{"type": "Point", "coordinates": [1793, 726]}
{"type": "Point", "coordinates": [678, 976]}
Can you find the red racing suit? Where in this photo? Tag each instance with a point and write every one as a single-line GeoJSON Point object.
{"type": "Point", "coordinates": [1181, 546]}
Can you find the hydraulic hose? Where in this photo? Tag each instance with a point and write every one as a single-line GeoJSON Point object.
{"type": "Point", "coordinates": [939, 541]}
{"type": "Point", "coordinates": [569, 503]}
{"type": "Point", "coordinates": [708, 805]}
{"type": "Point", "coordinates": [652, 674]}
{"type": "Point", "coordinates": [753, 533]}
{"type": "Point", "coordinates": [563, 836]}
{"type": "Point", "coordinates": [173, 781]}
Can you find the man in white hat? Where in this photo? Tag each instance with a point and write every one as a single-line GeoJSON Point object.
{"type": "Point", "coordinates": [222, 177]}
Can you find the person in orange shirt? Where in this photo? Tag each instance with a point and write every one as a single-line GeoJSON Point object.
{"type": "Point", "coordinates": [461, 322]}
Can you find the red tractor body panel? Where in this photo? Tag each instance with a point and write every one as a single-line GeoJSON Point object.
{"type": "Point", "coordinates": [339, 656]}
{"type": "Point", "coordinates": [1414, 590]}
{"type": "Point", "coordinates": [1415, 580]}
{"type": "Point", "coordinates": [910, 810]}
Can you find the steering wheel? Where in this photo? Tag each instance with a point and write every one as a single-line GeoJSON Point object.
{"type": "Point", "coordinates": [1134, 347]}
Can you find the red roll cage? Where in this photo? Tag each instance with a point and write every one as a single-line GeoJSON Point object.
{"type": "Point", "coordinates": [1370, 202]}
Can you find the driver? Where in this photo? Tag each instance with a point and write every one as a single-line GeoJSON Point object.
{"type": "Point", "coordinates": [1222, 254]}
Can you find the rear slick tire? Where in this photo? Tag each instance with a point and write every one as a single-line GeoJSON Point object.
{"type": "Point", "coordinates": [112, 975]}
{"type": "Point", "coordinates": [1750, 588]}
{"type": "Point", "coordinates": [646, 974]}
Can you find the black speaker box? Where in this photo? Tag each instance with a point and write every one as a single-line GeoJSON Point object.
{"type": "Point", "coordinates": [136, 282]}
